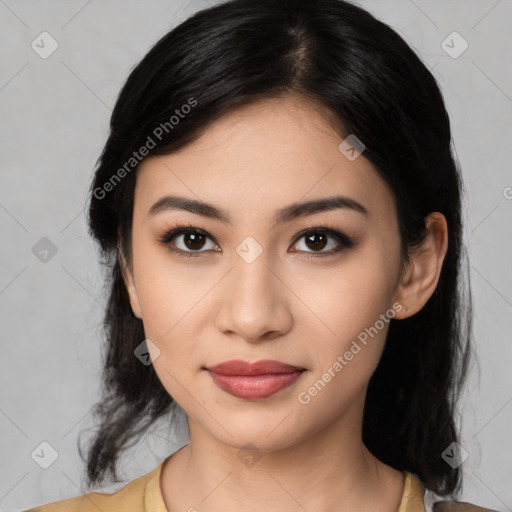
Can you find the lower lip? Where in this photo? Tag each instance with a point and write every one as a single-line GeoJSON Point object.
{"type": "Point", "coordinates": [254, 386]}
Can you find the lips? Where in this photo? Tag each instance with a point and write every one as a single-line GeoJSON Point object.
{"type": "Point", "coordinates": [253, 381]}
{"type": "Point", "coordinates": [238, 367]}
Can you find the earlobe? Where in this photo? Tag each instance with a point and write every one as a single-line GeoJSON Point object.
{"type": "Point", "coordinates": [421, 274]}
{"type": "Point", "coordinates": [129, 283]}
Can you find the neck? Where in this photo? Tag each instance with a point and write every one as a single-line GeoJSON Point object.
{"type": "Point", "coordinates": [330, 470]}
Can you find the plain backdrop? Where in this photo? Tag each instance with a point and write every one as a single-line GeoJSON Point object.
{"type": "Point", "coordinates": [54, 120]}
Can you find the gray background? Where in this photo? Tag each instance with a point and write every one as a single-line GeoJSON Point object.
{"type": "Point", "coordinates": [55, 114]}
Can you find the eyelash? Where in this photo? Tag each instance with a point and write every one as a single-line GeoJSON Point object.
{"type": "Point", "coordinates": [344, 241]}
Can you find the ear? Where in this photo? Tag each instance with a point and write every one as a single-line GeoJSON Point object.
{"type": "Point", "coordinates": [421, 274]}
{"type": "Point", "coordinates": [130, 286]}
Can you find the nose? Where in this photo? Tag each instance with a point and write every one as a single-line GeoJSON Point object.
{"type": "Point", "coordinates": [254, 302]}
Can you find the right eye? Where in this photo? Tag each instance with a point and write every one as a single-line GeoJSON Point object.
{"type": "Point", "coordinates": [185, 241]}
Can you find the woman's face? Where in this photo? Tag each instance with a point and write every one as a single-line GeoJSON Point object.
{"type": "Point", "coordinates": [260, 284]}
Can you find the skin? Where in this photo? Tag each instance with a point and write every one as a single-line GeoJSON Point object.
{"type": "Point", "coordinates": [282, 306]}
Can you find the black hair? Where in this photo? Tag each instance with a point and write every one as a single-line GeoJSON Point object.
{"type": "Point", "coordinates": [344, 60]}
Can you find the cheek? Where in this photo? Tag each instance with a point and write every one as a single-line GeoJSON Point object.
{"type": "Point", "coordinates": [347, 298]}
{"type": "Point", "coordinates": [170, 302]}
{"type": "Point", "coordinates": [167, 289]}
{"type": "Point", "coordinates": [355, 313]}
{"type": "Point", "coordinates": [352, 306]}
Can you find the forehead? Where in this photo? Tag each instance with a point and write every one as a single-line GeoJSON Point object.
{"type": "Point", "coordinates": [261, 156]}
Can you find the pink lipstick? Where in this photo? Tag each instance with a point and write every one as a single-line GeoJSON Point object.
{"type": "Point", "coordinates": [253, 381]}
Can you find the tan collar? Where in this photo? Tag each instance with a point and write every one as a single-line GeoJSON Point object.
{"type": "Point", "coordinates": [412, 497]}
{"type": "Point", "coordinates": [153, 499]}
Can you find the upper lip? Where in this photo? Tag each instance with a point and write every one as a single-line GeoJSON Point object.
{"type": "Point", "coordinates": [238, 367]}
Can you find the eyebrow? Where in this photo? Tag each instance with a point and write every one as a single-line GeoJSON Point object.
{"type": "Point", "coordinates": [285, 214]}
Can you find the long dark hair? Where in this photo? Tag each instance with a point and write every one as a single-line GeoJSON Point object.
{"type": "Point", "coordinates": [340, 57]}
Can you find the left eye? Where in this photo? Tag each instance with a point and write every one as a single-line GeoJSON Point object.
{"type": "Point", "coordinates": [192, 240]}
{"type": "Point", "coordinates": [317, 240]}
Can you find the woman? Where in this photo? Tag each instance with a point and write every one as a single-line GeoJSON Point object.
{"type": "Point", "coordinates": [280, 211]}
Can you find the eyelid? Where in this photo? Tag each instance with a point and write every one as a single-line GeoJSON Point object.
{"type": "Point", "coordinates": [180, 228]}
{"type": "Point", "coordinates": [328, 229]}
{"type": "Point", "coordinates": [344, 241]}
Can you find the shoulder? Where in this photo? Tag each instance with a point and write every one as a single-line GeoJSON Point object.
{"type": "Point", "coordinates": [458, 506]}
{"type": "Point", "coordinates": [130, 498]}
{"type": "Point", "coordinates": [417, 498]}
